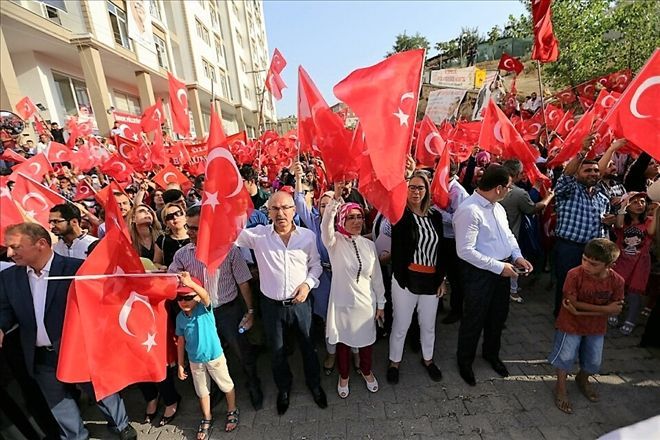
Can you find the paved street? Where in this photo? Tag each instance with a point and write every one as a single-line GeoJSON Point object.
{"type": "Point", "coordinates": [519, 407]}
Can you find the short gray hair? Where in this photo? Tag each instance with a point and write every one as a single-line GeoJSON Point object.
{"type": "Point", "coordinates": [513, 166]}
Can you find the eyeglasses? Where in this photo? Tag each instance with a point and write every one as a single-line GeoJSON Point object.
{"type": "Point", "coordinates": [56, 220]}
{"type": "Point", "coordinates": [307, 191]}
{"type": "Point", "coordinates": [185, 297]}
{"type": "Point", "coordinates": [355, 217]}
{"type": "Point", "coordinates": [192, 228]}
{"type": "Point", "coordinates": [173, 215]}
{"type": "Point", "coordinates": [280, 208]}
{"type": "Point", "coordinates": [416, 188]}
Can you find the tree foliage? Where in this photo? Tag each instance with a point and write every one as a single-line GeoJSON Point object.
{"type": "Point", "coordinates": [597, 37]}
{"type": "Point", "coordinates": [518, 27]}
{"type": "Point", "coordinates": [406, 42]}
{"type": "Point", "coordinates": [494, 34]}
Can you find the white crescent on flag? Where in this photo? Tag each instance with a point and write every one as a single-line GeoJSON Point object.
{"type": "Point", "coordinates": [649, 82]}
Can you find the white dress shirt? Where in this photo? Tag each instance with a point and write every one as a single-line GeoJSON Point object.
{"type": "Point", "coordinates": [483, 237]}
{"type": "Point", "coordinates": [283, 268]}
{"type": "Point", "coordinates": [456, 196]}
{"type": "Point", "coordinates": [78, 248]}
{"type": "Point", "coordinates": [39, 287]}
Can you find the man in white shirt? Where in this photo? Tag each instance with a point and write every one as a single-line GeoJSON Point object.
{"type": "Point", "coordinates": [491, 256]}
{"type": "Point", "coordinates": [64, 220]}
{"type": "Point", "coordinates": [289, 267]}
{"type": "Point", "coordinates": [43, 144]}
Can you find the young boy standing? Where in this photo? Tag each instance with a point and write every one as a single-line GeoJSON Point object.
{"type": "Point", "coordinates": [196, 331]}
{"type": "Point", "coordinates": [592, 292]}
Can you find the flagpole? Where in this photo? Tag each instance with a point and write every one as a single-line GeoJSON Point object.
{"type": "Point", "coordinates": [545, 124]}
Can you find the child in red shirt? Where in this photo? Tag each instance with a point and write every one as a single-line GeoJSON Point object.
{"type": "Point", "coordinates": [592, 292]}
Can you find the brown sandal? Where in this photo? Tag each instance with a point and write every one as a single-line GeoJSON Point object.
{"type": "Point", "coordinates": [587, 390]}
{"type": "Point", "coordinates": [563, 404]}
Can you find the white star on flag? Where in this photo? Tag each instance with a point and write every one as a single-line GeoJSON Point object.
{"type": "Point", "coordinates": [403, 118]}
{"type": "Point", "coordinates": [4, 192]}
{"type": "Point", "coordinates": [211, 199]}
{"type": "Point", "coordinates": [150, 342]}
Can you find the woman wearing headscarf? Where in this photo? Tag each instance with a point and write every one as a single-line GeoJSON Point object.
{"type": "Point", "coordinates": [418, 275]}
{"type": "Point", "coordinates": [357, 294]}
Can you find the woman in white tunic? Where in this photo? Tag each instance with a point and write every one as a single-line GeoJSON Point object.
{"type": "Point", "coordinates": [357, 295]}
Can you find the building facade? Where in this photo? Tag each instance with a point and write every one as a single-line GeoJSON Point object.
{"type": "Point", "coordinates": [96, 56]}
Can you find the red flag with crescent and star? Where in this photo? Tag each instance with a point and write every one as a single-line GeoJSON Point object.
{"type": "Point", "coordinates": [36, 168]}
{"type": "Point", "coordinates": [127, 312]}
{"type": "Point", "coordinates": [510, 64]}
{"type": "Point", "coordinates": [274, 82]}
{"type": "Point", "coordinates": [11, 214]}
{"type": "Point", "coordinates": [11, 156]}
{"type": "Point", "coordinates": [129, 124]}
{"type": "Point", "coordinates": [113, 217]}
{"type": "Point", "coordinates": [152, 117]}
{"type": "Point", "coordinates": [546, 46]}
{"type": "Point", "coordinates": [127, 147]}
{"type": "Point", "coordinates": [226, 204]}
{"type": "Point", "coordinates": [26, 108]}
{"type": "Point", "coordinates": [440, 183]}
{"type": "Point", "coordinates": [35, 199]}
{"type": "Point", "coordinates": [573, 142]}
{"type": "Point", "coordinates": [429, 143]}
{"type": "Point", "coordinates": [58, 152]}
{"type": "Point", "coordinates": [171, 175]}
{"type": "Point", "coordinates": [84, 191]}
{"type": "Point", "coordinates": [179, 105]}
{"type": "Point", "coordinates": [384, 97]}
{"type": "Point", "coordinates": [117, 168]}
{"type": "Point", "coordinates": [636, 116]}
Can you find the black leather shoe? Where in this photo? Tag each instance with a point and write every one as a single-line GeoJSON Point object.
{"type": "Point", "coordinates": [393, 375]}
{"type": "Point", "coordinates": [320, 398]}
{"type": "Point", "coordinates": [257, 398]}
{"type": "Point", "coordinates": [128, 433]}
{"type": "Point", "coordinates": [451, 318]}
{"type": "Point", "coordinates": [467, 374]}
{"type": "Point", "coordinates": [282, 402]}
{"type": "Point", "coordinates": [499, 367]}
{"type": "Point", "coordinates": [434, 372]}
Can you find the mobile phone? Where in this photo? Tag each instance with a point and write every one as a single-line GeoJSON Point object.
{"type": "Point", "coordinates": [519, 270]}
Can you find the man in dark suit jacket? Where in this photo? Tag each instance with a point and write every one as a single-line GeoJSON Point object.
{"type": "Point", "coordinates": [37, 305]}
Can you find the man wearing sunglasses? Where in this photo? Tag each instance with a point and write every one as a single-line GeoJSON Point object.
{"type": "Point", "coordinates": [64, 220]}
{"type": "Point", "coordinates": [224, 285]}
{"type": "Point", "coordinates": [289, 267]}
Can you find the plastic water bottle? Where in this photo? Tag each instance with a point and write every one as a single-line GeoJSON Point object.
{"type": "Point", "coordinates": [244, 326]}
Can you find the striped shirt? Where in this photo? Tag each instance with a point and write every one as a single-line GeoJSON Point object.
{"type": "Point", "coordinates": [579, 214]}
{"type": "Point", "coordinates": [426, 252]}
{"type": "Point", "coordinates": [222, 284]}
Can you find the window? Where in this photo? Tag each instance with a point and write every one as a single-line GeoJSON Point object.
{"type": "Point", "coordinates": [218, 48]}
{"type": "Point", "coordinates": [161, 52]}
{"type": "Point", "coordinates": [118, 22]}
{"type": "Point", "coordinates": [73, 93]}
{"type": "Point", "coordinates": [246, 92]}
{"type": "Point", "coordinates": [239, 38]}
{"type": "Point", "coordinates": [154, 9]}
{"type": "Point", "coordinates": [202, 32]}
{"type": "Point", "coordinates": [234, 7]}
{"type": "Point", "coordinates": [244, 66]}
{"type": "Point", "coordinates": [126, 103]}
{"type": "Point", "coordinates": [52, 14]}
{"type": "Point", "coordinates": [223, 85]}
{"type": "Point", "coordinates": [215, 20]}
{"type": "Point", "coordinates": [209, 70]}
{"type": "Point", "coordinates": [231, 89]}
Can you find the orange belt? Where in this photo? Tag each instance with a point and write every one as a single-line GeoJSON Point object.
{"type": "Point", "coordinates": [421, 268]}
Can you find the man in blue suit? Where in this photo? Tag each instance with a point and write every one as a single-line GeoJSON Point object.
{"type": "Point", "coordinates": [37, 305]}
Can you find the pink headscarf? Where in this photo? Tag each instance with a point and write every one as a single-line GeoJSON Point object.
{"type": "Point", "coordinates": [343, 213]}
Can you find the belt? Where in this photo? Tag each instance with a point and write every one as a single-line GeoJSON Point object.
{"type": "Point", "coordinates": [45, 348]}
{"type": "Point", "coordinates": [327, 267]}
{"type": "Point", "coordinates": [507, 260]}
{"type": "Point", "coordinates": [282, 303]}
{"type": "Point", "coordinates": [228, 303]}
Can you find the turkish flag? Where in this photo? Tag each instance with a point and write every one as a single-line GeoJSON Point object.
{"type": "Point", "coordinates": [152, 117]}
{"type": "Point", "coordinates": [35, 167]}
{"type": "Point", "coordinates": [98, 152]}
{"type": "Point", "coordinates": [546, 46]}
{"type": "Point", "coordinates": [384, 96]}
{"type": "Point", "coordinates": [158, 154]}
{"type": "Point", "coordinates": [179, 105]}
{"type": "Point", "coordinates": [429, 143]}
{"type": "Point", "coordinates": [83, 159]}
{"type": "Point", "coordinates": [26, 108]}
{"type": "Point", "coordinates": [11, 214]}
{"type": "Point", "coordinates": [510, 64]}
{"type": "Point", "coordinates": [177, 153]}
{"type": "Point", "coordinates": [566, 96]}
{"type": "Point", "coordinates": [553, 115]}
{"type": "Point", "coordinates": [440, 183]}
{"type": "Point", "coordinates": [84, 191]}
{"type": "Point", "coordinates": [573, 142]}
{"type": "Point", "coordinates": [319, 126]}
{"type": "Point", "coordinates": [11, 156]}
{"type": "Point", "coordinates": [587, 89]}
{"type": "Point", "coordinates": [278, 63]}
{"type": "Point", "coordinates": [127, 148]}
{"type": "Point", "coordinates": [604, 103]}
{"type": "Point", "coordinates": [78, 128]}
{"type": "Point", "coordinates": [58, 152]}
{"type": "Point", "coordinates": [35, 199]}
{"type": "Point", "coordinates": [171, 175]}
{"type": "Point", "coordinates": [113, 217]}
{"type": "Point", "coordinates": [566, 124]}
{"type": "Point", "coordinates": [274, 82]}
{"type": "Point", "coordinates": [618, 81]}
{"type": "Point", "coordinates": [129, 124]}
{"type": "Point", "coordinates": [117, 168]}
{"type": "Point", "coordinates": [128, 311]}
{"type": "Point", "coordinates": [636, 116]}
{"type": "Point", "coordinates": [226, 204]}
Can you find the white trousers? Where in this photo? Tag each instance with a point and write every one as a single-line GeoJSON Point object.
{"type": "Point", "coordinates": [403, 306]}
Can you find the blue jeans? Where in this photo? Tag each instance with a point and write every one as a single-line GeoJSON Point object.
{"type": "Point", "coordinates": [276, 318]}
{"type": "Point", "coordinates": [567, 255]}
{"type": "Point", "coordinates": [567, 348]}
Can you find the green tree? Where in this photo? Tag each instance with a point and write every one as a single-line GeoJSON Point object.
{"type": "Point", "coordinates": [494, 34]}
{"type": "Point", "coordinates": [520, 27]}
{"type": "Point", "coordinates": [406, 42]}
{"type": "Point", "coordinates": [597, 37]}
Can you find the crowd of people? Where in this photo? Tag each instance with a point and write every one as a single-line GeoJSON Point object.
{"type": "Point", "coordinates": [321, 264]}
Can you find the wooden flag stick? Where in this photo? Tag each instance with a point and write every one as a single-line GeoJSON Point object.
{"type": "Point", "coordinates": [545, 124]}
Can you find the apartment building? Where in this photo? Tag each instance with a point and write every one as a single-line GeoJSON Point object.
{"type": "Point", "coordinates": [95, 56]}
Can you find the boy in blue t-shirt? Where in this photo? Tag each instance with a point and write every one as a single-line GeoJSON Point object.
{"type": "Point", "coordinates": [197, 334]}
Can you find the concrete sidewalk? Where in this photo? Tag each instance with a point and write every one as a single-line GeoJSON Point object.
{"type": "Point", "coordinates": [520, 406]}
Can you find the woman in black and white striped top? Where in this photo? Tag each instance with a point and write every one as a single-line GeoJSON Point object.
{"type": "Point", "coordinates": [418, 275]}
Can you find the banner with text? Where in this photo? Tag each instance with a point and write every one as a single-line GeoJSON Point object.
{"type": "Point", "coordinates": [443, 104]}
{"type": "Point", "coordinates": [456, 78]}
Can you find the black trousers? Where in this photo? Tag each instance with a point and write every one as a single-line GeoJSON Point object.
{"type": "Point", "coordinates": [166, 388]}
{"type": "Point", "coordinates": [453, 275]}
{"type": "Point", "coordinates": [485, 308]}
